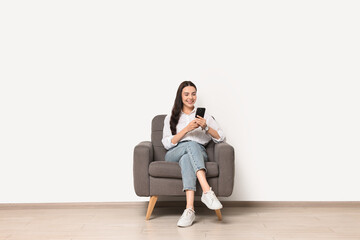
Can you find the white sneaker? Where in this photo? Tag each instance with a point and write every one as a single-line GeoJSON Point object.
{"type": "Point", "coordinates": [186, 218]}
{"type": "Point", "coordinates": [210, 200]}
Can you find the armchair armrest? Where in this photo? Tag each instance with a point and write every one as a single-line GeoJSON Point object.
{"type": "Point", "coordinates": [224, 155]}
{"type": "Point", "coordinates": [143, 156]}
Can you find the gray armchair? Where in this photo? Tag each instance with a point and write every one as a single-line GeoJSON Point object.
{"type": "Point", "coordinates": [153, 176]}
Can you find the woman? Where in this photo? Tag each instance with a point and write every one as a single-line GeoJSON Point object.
{"type": "Point", "coordinates": [184, 136]}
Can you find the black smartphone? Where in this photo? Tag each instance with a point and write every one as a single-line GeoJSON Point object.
{"type": "Point", "coordinates": [200, 112]}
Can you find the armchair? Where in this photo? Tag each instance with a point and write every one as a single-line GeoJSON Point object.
{"type": "Point", "coordinates": [153, 176]}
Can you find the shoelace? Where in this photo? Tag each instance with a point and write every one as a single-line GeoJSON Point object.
{"type": "Point", "coordinates": [212, 197]}
{"type": "Point", "coordinates": [211, 193]}
{"type": "Point", "coordinates": [188, 211]}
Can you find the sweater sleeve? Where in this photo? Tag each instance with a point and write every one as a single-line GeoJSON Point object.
{"type": "Point", "coordinates": [167, 135]}
{"type": "Point", "coordinates": [214, 125]}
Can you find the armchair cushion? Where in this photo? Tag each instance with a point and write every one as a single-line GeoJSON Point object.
{"type": "Point", "coordinates": [172, 169]}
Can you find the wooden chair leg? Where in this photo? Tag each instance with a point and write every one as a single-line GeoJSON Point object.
{"type": "Point", "coordinates": [218, 213]}
{"type": "Point", "coordinates": [151, 206]}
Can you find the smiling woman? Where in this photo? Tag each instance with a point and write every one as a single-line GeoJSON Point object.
{"type": "Point", "coordinates": [185, 136]}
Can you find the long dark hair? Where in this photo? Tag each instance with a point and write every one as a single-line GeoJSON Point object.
{"type": "Point", "coordinates": [178, 105]}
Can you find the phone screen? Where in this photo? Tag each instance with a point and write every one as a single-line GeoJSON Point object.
{"type": "Point", "coordinates": [200, 112]}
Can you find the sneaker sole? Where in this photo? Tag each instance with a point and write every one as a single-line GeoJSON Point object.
{"type": "Point", "coordinates": [184, 226]}
{"type": "Point", "coordinates": [210, 207]}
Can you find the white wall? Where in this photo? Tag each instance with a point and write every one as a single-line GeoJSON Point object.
{"type": "Point", "coordinates": [81, 81]}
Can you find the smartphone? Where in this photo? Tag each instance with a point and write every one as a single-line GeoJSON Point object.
{"type": "Point", "coordinates": [200, 112]}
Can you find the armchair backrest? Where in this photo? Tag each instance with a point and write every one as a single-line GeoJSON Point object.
{"type": "Point", "coordinates": [157, 127]}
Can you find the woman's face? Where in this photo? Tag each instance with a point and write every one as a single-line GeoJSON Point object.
{"type": "Point", "coordinates": [189, 96]}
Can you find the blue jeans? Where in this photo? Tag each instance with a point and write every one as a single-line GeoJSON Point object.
{"type": "Point", "coordinates": [191, 157]}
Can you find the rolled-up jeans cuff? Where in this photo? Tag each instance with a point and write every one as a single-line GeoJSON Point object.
{"type": "Point", "coordinates": [189, 188]}
{"type": "Point", "coordinates": [202, 169]}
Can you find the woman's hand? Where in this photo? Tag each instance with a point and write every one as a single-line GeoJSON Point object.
{"type": "Point", "coordinates": [201, 121]}
{"type": "Point", "coordinates": [192, 125]}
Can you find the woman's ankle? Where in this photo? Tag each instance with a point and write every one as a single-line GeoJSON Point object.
{"type": "Point", "coordinates": [192, 207]}
{"type": "Point", "coordinates": [205, 190]}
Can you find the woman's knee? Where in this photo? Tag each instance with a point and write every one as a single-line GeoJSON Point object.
{"type": "Point", "coordinates": [184, 160]}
